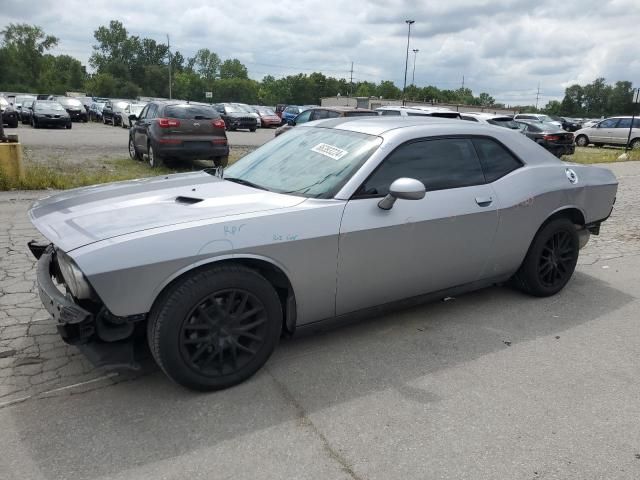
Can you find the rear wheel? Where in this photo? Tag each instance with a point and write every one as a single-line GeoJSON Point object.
{"type": "Point", "coordinates": [133, 151]}
{"type": "Point", "coordinates": [252, 129]}
{"type": "Point", "coordinates": [221, 161]}
{"type": "Point", "coordinates": [215, 328]}
{"type": "Point", "coordinates": [551, 259]}
{"type": "Point", "coordinates": [154, 159]}
{"type": "Point", "coordinates": [582, 141]}
{"type": "Point", "coordinates": [69, 126]}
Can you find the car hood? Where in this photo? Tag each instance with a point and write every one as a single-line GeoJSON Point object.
{"type": "Point", "coordinates": [86, 215]}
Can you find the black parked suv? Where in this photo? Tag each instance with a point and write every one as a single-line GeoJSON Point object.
{"type": "Point", "coordinates": [74, 108]}
{"type": "Point", "coordinates": [178, 130]}
{"type": "Point", "coordinates": [235, 117]}
{"type": "Point", "coordinates": [113, 111]}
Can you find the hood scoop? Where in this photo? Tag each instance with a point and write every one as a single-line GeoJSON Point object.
{"type": "Point", "coordinates": [188, 200]}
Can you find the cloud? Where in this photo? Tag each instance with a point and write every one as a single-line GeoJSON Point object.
{"type": "Point", "coordinates": [503, 47]}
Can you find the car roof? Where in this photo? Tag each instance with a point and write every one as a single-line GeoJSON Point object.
{"type": "Point", "coordinates": [377, 125]}
{"type": "Point", "coordinates": [397, 108]}
{"type": "Point", "coordinates": [339, 108]}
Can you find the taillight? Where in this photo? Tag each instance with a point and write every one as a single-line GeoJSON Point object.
{"type": "Point", "coordinates": [168, 122]}
{"type": "Point", "coordinates": [219, 123]}
{"type": "Point", "coordinates": [552, 138]}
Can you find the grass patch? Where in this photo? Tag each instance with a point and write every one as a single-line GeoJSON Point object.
{"type": "Point", "coordinates": [589, 155]}
{"type": "Point", "coordinates": [58, 175]}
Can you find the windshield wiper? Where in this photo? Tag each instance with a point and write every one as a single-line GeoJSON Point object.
{"type": "Point", "coordinates": [247, 183]}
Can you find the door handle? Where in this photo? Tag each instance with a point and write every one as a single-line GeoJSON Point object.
{"type": "Point", "coordinates": [484, 201]}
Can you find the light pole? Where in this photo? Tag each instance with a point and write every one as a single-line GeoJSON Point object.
{"type": "Point", "coordinates": [413, 77]}
{"type": "Point", "coordinates": [406, 61]}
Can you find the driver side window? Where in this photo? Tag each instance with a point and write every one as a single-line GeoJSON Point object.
{"type": "Point", "coordinates": [439, 164]}
{"type": "Point", "coordinates": [303, 117]}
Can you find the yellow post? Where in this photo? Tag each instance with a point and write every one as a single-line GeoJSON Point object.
{"type": "Point", "coordinates": [11, 167]}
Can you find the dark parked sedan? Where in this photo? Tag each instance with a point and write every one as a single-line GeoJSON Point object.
{"type": "Point", "coordinates": [549, 136]}
{"type": "Point", "coordinates": [178, 130]}
{"type": "Point", "coordinates": [8, 113]}
{"type": "Point", "coordinates": [48, 113]}
{"type": "Point", "coordinates": [74, 108]}
{"type": "Point", "coordinates": [320, 113]}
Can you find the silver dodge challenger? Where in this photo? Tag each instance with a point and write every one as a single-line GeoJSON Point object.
{"type": "Point", "coordinates": [335, 219]}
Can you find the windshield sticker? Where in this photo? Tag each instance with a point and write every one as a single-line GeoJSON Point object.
{"type": "Point", "coordinates": [329, 151]}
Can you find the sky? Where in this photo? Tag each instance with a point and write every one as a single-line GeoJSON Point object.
{"type": "Point", "coordinates": [505, 48]}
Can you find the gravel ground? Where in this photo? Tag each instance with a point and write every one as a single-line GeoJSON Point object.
{"type": "Point", "coordinates": [490, 385]}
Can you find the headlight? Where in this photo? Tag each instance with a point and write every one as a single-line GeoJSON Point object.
{"type": "Point", "coordinates": [73, 277]}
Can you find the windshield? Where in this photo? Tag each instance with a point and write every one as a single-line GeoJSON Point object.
{"type": "Point", "coordinates": [49, 106]}
{"type": "Point", "coordinates": [313, 162]}
{"type": "Point", "coordinates": [136, 109]}
{"type": "Point", "coordinates": [71, 102]}
{"type": "Point", "coordinates": [549, 126]}
{"type": "Point", "coordinates": [3, 102]}
{"type": "Point", "coordinates": [245, 108]}
{"type": "Point", "coordinates": [504, 122]}
{"type": "Point", "coordinates": [233, 109]}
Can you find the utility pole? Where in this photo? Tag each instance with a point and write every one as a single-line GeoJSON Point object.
{"type": "Point", "coordinates": [169, 51]}
{"type": "Point", "coordinates": [351, 80]}
{"type": "Point", "coordinates": [406, 61]}
{"type": "Point", "coordinates": [462, 82]}
{"type": "Point", "coordinates": [413, 77]}
{"type": "Point", "coordinates": [537, 96]}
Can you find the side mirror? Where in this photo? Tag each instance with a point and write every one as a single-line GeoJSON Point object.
{"type": "Point", "coordinates": [404, 189]}
{"type": "Point", "coordinates": [133, 117]}
{"type": "Point", "coordinates": [292, 123]}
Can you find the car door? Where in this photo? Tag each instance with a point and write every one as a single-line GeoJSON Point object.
{"type": "Point", "coordinates": [621, 131]}
{"type": "Point", "coordinates": [418, 246]}
{"type": "Point", "coordinates": [604, 131]}
{"type": "Point", "coordinates": [139, 129]}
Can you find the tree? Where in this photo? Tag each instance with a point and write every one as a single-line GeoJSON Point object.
{"type": "Point", "coordinates": [61, 74]}
{"type": "Point", "coordinates": [21, 55]}
{"type": "Point", "coordinates": [205, 63]}
{"type": "Point", "coordinates": [573, 101]}
{"type": "Point", "coordinates": [387, 89]}
{"type": "Point", "coordinates": [232, 68]}
{"type": "Point", "coordinates": [553, 107]}
{"type": "Point", "coordinates": [486, 100]}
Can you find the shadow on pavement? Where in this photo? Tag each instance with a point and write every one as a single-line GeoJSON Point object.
{"type": "Point", "coordinates": [150, 419]}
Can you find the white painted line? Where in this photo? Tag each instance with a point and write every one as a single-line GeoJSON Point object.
{"type": "Point", "coordinates": [13, 402]}
{"type": "Point", "coordinates": [67, 387]}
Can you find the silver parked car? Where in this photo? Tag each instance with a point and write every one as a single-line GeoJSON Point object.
{"type": "Point", "coordinates": [338, 216]}
{"type": "Point", "coordinates": [611, 131]}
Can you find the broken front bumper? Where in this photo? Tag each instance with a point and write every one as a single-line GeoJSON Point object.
{"type": "Point", "coordinates": [74, 323]}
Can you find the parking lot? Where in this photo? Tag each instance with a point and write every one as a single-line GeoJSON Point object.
{"type": "Point", "coordinates": [88, 142]}
{"type": "Point", "coordinates": [493, 384]}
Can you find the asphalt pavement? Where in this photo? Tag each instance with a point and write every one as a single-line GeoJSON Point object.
{"type": "Point", "coordinates": [489, 385]}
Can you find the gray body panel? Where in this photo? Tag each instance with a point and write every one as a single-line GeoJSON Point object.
{"type": "Point", "coordinates": [131, 239]}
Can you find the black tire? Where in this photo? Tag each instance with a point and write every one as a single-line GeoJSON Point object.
{"type": "Point", "coordinates": [635, 144]}
{"type": "Point", "coordinates": [155, 160]}
{"type": "Point", "coordinates": [69, 126]}
{"type": "Point", "coordinates": [13, 124]}
{"type": "Point", "coordinates": [252, 129]}
{"type": "Point", "coordinates": [221, 161]}
{"type": "Point", "coordinates": [133, 151]}
{"type": "Point", "coordinates": [34, 124]}
{"type": "Point", "coordinates": [230, 314]}
{"type": "Point", "coordinates": [582, 141]}
{"type": "Point", "coordinates": [551, 259]}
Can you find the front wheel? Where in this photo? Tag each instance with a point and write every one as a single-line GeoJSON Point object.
{"type": "Point", "coordinates": [551, 259]}
{"type": "Point", "coordinates": [582, 141]}
{"type": "Point", "coordinates": [215, 328]}
{"type": "Point", "coordinates": [635, 144]}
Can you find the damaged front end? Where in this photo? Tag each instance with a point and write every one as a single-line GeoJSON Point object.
{"type": "Point", "coordinates": [82, 320]}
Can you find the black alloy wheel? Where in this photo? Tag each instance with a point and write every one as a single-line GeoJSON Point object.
{"type": "Point", "coordinates": [224, 332]}
{"type": "Point", "coordinates": [215, 327]}
{"type": "Point", "coordinates": [551, 259]}
{"type": "Point", "coordinates": [556, 259]}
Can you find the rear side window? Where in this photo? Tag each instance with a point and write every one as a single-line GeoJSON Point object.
{"type": "Point", "coordinates": [470, 119]}
{"type": "Point", "coordinates": [624, 123]}
{"type": "Point", "coordinates": [360, 114]}
{"type": "Point", "coordinates": [439, 164]}
{"type": "Point", "coordinates": [496, 160]}
{"type": "Point", "coordinates": [151, 113]}
{"type": "Point", "coordinates": [321, 114]}
{"type": "Point", "coordinates": [192, 112]}
{"type": "Point", "coordinates": [414, 114]}
{"type": "Point", "coordinates": [394, 113]}
{"type": "Point", "coordinates": [636, 123]}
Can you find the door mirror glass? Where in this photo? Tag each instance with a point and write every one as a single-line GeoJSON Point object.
{"type": "Point", "coordinates": [133, 118]}
{"type": "Point", "coordinates": [404, 189]}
